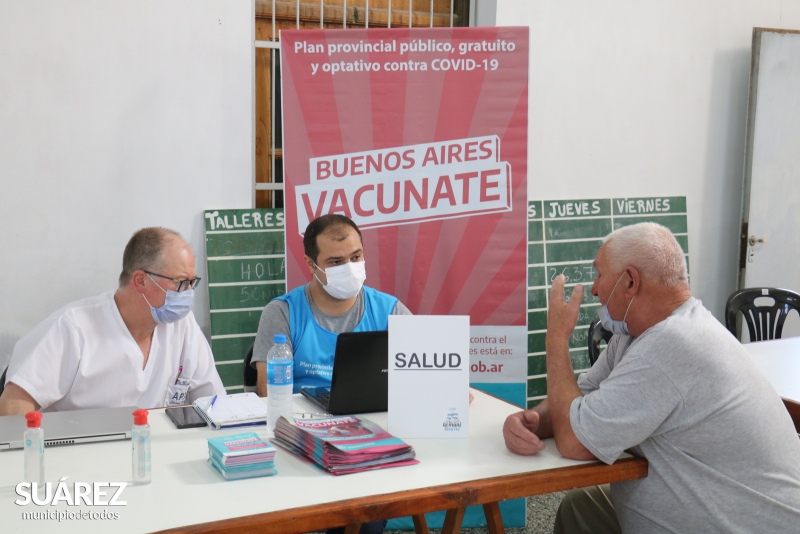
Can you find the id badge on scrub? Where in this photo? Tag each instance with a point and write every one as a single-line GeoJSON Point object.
{"type": "Point", "coordinates": [176, 393]}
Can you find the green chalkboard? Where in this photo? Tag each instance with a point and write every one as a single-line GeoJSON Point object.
{"type": "Point", "coordinates": [247, 268]}
{"type": "Point", "coordinates": [246, 256]}
{"type": "Point", "coordinates": [563, 238]}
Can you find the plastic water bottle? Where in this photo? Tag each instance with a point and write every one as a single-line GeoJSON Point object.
{"type": "Point", "coordinates": [140, 441]}
{"type": "Point", "coordinates": [34, 450]}
{"type": "Point", "coordinates": [280, 381]}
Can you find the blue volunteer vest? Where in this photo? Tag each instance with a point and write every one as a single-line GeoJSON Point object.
{"type": "Point", "coordinates": [314, 346]}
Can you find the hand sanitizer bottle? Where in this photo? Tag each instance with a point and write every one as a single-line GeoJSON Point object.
{"type": "Point", "coordinates": [140, 439]}
{"type": "Point", "coordinates": [34, 451]}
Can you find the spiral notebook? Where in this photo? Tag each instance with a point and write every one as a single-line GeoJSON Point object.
{"type": "Point", "coordinates": [228, 411]}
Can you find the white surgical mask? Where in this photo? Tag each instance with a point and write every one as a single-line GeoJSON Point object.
{"type": "Point", "coordinates": [176, 305]}
{"type": "Point", "coordinates": [615, 327]}
{"type": "Point", "coordinates": [344, 281]}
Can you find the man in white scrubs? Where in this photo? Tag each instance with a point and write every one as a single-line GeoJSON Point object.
{"type": "Point", "coordinates": [137, 346]}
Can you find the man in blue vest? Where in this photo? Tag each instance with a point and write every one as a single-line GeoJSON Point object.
{"type": "Point", "coordinates": [312, 315]}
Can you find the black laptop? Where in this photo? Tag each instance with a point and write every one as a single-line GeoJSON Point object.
{"type": "Point", "coordinates": [360, 381]}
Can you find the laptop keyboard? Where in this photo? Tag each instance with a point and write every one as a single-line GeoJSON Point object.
{"type": "Point", "coordinates": [324, 397]}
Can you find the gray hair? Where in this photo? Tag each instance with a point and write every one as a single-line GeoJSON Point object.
{"type": "Point", "coordinates": [145, 251]}
{"type": "Point", "coordinates": [650, 248]}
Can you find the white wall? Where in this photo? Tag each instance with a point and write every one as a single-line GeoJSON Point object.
{"type": "Point", "coordinates": [632, 98]}
{"type": "Point", "coordinates": [114, 116]}
{"type": "Point", "coordinates": [485, 12]}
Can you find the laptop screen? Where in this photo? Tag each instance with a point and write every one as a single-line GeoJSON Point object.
{"type": "Point", "coordinates": [360, 381]}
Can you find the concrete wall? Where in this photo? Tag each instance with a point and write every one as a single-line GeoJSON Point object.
{"type": "Point", "coordinates": [114, 116]}
{"type": "Point", "coordinates": [639, 99]}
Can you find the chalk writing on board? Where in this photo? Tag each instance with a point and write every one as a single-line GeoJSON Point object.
{"type": "Point", "coordinates": [571, 209]}
{"type": "Point", "coordinates": [233, 269]}
{"type": "Point", "coordinates": [258, 295]}
{"type": "Point", "coordinates": [262, 270]}
{"type": "Point", "coordinates": [247, 219]}
{"type": "Point", "coordinates": [573, 274]}
{"type": "Point", "coordinates": [579, 338]}
{"type": "Point", "coordinates": [642, 205]}
{"type": "Point", "coordinates": [245, 244]}
{"type": "Point", "coordinates": [585, 315]}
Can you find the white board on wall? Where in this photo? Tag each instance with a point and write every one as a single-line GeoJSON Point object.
{"type": "Point", "coordinates": [115, 116]}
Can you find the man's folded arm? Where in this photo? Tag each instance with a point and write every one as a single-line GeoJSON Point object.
{"type": "Point", "coordinates": [16, 401]}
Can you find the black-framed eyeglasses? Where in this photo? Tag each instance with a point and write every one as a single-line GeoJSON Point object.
{"type": "Point", "coordinates": [183, 285]}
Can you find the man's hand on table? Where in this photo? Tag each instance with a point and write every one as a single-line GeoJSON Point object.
{"type": "Point", "coordinates": [519, 433]}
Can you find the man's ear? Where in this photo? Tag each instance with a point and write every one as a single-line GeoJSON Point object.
{"type": "Point", "coordinates": [138, 280]}
{"type": "Point", "coordinates": [310, 264]}
{"type": "Point", "coordinates": [634, 281]}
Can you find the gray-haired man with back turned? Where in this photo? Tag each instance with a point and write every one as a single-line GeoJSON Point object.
{"type": "Point", "coordinates": [672, 386]}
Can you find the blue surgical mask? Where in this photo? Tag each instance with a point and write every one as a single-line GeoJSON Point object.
{"type": "Point", "coordinates": [176, 305]}
{"type": "Point", "coordinates": [615, 327]}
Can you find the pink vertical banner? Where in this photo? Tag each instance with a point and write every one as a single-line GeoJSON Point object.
{"type": "Point", "coordinates": [420, 136]}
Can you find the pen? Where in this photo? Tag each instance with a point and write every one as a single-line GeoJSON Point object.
{"type": "Point", "coordinates": [180, 370]}
{"type": "Point", "coordinates": [212, 403]}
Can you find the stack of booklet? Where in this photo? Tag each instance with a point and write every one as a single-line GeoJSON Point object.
{"type": "Point", "coordinates": [242, 455]}
{"type": "Point", "coordinates": [342, 445]}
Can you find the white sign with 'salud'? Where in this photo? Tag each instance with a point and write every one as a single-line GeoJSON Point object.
{"type": "Point", "coordinates": [429, 376]}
